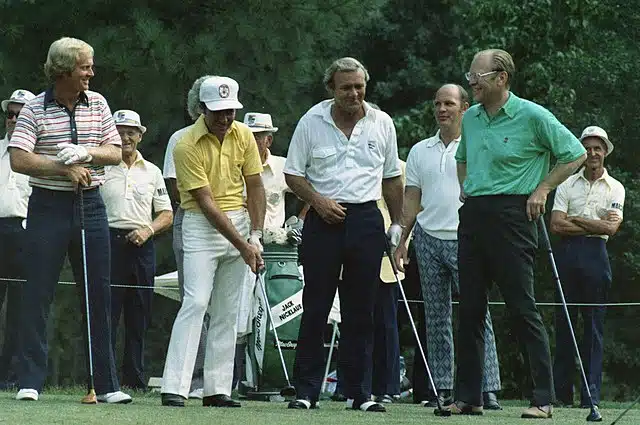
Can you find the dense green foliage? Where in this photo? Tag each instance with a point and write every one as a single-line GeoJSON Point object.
{"type": "Point", "coordinates": [576, 57]}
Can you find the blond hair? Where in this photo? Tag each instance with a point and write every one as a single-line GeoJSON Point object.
{"type": "Point", "coordinates": [502, 61]}
{"type": "Point", "coordinates": [63, 56]}
{"type": "Point", "coordinates": [345, 64]}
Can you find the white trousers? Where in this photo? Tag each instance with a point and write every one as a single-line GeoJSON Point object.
{"type": "Point", "coordinates": [214, 274]}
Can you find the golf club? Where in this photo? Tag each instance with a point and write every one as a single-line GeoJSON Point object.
{"type": "Point", "coordinates": [625, 411]}
{"type": "Point", "coordinates": [326, 370]}
{"type": "Point", "coordinates": [90, 398]}
{"type": "Point", "coordinates": [594, 414]}
{"type": "Point", "coordinates": [439, 411]}
{"type": "Point", "coordinates": [289, 390]}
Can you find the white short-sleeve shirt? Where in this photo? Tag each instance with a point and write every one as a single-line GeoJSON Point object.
{"type": "Point", "coordinates": [344, 170]}
{"type": "Point", "coordinates": [577, 197]}
{"type": "Point", "coordinates": [431, 167]}
{"type": "Point", "coordinates": [14, 187]}
{"type": "Point", "coordinates": [275, 188]}
{"type": "Point", "coordinates": [131, 195]}
{"type": "Point", "coordinates": [169, 167]}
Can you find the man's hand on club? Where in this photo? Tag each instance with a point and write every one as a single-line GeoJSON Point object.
{"type": "Point", "coordinates": [329, 210]}
{"type": "Point", "coordinates": [251, 255]}
{"type": "Point", "coordinates": [401, 257]}
{"type": "Point", "coordinates": [255, 239]}
{"type": "Point", "coordinates": [393, 234]}
{"type": "Point", "coordinates": [79, 176]}
{"type": "Point", "coordinates": [73, 154]}
{"type": "Point", "coordinates": [536, 204]}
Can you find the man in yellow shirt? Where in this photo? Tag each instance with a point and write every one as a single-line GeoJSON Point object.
{"type": "Point", "coordinates": [215, 160]}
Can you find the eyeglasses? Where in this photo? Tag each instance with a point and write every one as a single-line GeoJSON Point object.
{"type": "Point", "coordinates": [476, 76]}
{"type": "Point", "coordinates": [11, 115]}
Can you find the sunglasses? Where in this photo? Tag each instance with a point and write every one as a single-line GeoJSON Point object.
{"type": "Point", "coordinates": [11, 115]}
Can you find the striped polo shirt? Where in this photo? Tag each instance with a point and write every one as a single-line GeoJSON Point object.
{"type": "Point", "coordinates": [43, 123]}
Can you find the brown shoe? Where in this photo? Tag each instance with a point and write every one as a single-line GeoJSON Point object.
{"type": "Point", "coordinates": [538, 412]}
{"type": "Point", "coordinates": [462, 408]}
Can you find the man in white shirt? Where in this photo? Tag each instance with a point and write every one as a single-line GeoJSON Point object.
{"type": "Point", "coordinates": [587, 210]}
{"type": "Point", "coordinates": [14, 198]}
{"type": "Point", "coordinates": [275, 187]}
{"type": "Point", "coordinates": [431, 198]}
{"type": "Point", "coordinates": [133, 193]}
{"type": "Point", "coordinates": [194, 109]}
{"type": "Point", "coordinates": [342, 159]}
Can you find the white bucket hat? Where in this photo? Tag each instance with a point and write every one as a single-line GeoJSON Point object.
{"type": "Point", "coordinates": [220, 93]}
{"type": "Point", "coordinates": [595, 131]}
{"type": "Point", "coordinates": [18, 96]}
{"type": "Point", "coordinates": [128, 118]}
{"type": "Point", "coordinates": [258, 122]}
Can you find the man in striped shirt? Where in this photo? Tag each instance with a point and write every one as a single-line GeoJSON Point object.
{"type": "Point", "coordinates": [62, 140]}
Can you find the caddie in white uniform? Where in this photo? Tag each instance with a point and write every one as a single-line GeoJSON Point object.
{"type": "Point", "coordinates": [14, 198]}
{"type": "Point", "coordinates": [261, 125]}
{"type": "Point", "coordinates": [133, 193]}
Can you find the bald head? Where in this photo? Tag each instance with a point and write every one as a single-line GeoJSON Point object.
{"type": "Point", "coordinates": [449, 105]}
{"type": "Point", "coordinates": [456, 90]}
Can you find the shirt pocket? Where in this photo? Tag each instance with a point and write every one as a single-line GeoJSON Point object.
{"type": "Point", "coordinates": [374, 153]}
{"type": "Point", "coordinates": [324, 159]}
{"type": "Point", "coordinates": [143, 191]}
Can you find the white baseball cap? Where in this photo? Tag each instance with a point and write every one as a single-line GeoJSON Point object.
{"type": "Point", "coordinates": [258, 122]}
{"type": "Point", "coordinates": [128, 118]}
{"type": "Point", "coordinates": [595, 131]}
{"type": "Point", "coordinates": [18, 96]}
{"type": "Point", "coordinates": [220, 93]}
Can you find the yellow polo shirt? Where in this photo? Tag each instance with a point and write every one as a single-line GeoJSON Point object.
{"type": "Point", "coordinates": [201, 160]}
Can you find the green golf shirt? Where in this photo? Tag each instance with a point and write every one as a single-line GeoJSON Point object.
{"type": "Point", "coordinates": [509, 154]}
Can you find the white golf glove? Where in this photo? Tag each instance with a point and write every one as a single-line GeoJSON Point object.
{"type": "Point", "coordinates": [393, 234]}
{"type": "Point", "coordinates": [255, 239]}
{"type": "Point", "coordinates": [73, 154]}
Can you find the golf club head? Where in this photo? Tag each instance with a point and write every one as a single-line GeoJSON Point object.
{"type": "Point", "coordinates": [90, 398]}
{"type": "Point", "coordinates": [288, 391]}
{"type": "Point", "coordinates": [442, 412]}
{"type": "Point", "coordinates": [594, 414]}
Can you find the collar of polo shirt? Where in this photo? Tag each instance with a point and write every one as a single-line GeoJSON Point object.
{"type": "Point", "coordinates": [200, 129]}
{"type": "Point", "coordinates": [325, 112]}
{"type": "Point", "coordinates": [436, 139]}
{"type": "Point", "coordinates": [605, 176]}
{"type": "Point", "coordinates": [49, 98]}
{"type": "Point", "coordinates": [510, 107]}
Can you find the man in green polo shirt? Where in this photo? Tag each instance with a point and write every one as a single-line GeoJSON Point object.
{"type": "Point", "coordinates": [503, 163]}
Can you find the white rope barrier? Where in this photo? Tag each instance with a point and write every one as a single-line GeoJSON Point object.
{"type": "Point", "coordinates": [544, 304]}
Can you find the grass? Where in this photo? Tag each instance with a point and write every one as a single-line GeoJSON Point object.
{"type": "Point", "coordinates": [63, 407]}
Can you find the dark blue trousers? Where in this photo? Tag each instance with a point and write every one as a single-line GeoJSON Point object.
{"type": "Point", "coordinates": [53, 230]}
{"type": "Point", "coordinates": [356, 246]}
{"type": "Point", "coordinates": [133, 266]}
{"type": "Point", "coordinates": [585, 273]}
{"type": "Point", "coordinates": [12, 267]}
{"type": "Point", "coordinates": [383, 373]}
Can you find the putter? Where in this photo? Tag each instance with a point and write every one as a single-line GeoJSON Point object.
{"type": "Point", "coordinates": [594, 414]}
{"type": "Point", "coordinates": [90, 398]}
{"type": "Point", "coordinates": [439, 411]}
{"type": "Point", "coordinates": [289, 390]}
{"type": "Point", "coordinates": [625, 411]}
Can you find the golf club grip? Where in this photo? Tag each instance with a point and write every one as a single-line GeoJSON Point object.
{"type": "Point", "coordinates": [81, 212]}
{"type": "Point", "coordinates": [387, 248]}
{"type": "Point", "coordinates": [546, 242]}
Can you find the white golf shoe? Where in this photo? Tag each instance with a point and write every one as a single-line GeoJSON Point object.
{"type": "Point", "coordinates": [28, 394]}
{"type": "Point", "coordinates": [117, 397]}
